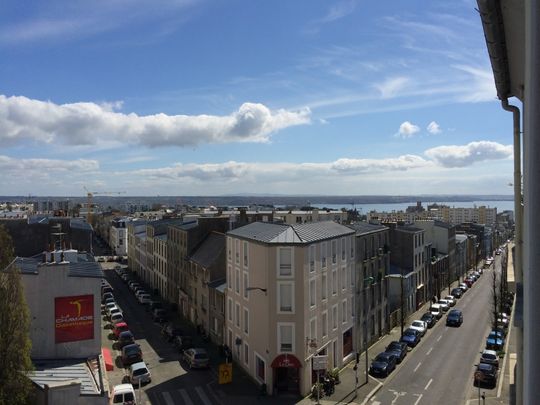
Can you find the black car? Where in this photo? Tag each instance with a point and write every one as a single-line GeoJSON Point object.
{"type": "Point", "coordinates": [485, 375]}
{"type": "Point", "coordinates": [125, 338]}
{"type": "Point", "coordinates": [131, 354]}
{"type": "Point", "coordinates": [429, 319]}
{"type": "Point", "coordinates": [383, 364]}
{"type": "Point", "coordinates": [411, 337]}
{"type": "Point", "coordinates": [454, 318]}
{"type": "Point", "coordinates": [398, 349]}
{"type": "Point", "coordinates": [457, 292]}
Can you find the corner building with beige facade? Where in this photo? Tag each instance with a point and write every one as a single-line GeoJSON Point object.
{"type": "Point", "coordinates": [289, 296]}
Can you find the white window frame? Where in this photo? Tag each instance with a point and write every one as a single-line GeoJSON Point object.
{"type": "Point", "coordinates": [246, 354]}
{"type": "Point", "coordinates": [343, 278]}
{"type": "Point", "coordinates": [344, 314]}
{"type": "Point", "coordinates": [279, 311]}
{"type": "Point", "coordinates": [237, 251]}
{"type": "Point", "coordinates": [280, 348]}
{"type": "Point", "coordinates": [333, 251]}
{"type": "Point", "coordinates": [343, 250]}
{"type": "Point", "coordinates": [324, 286]}
{"type": "Point", "coordinates": [334, 282]}
{"type": "Point", "coordinates": [313, 329]}
{"type": "Point", "coordinates": [246, 284]}
{"type": "Point", "coordinates": [245, 251]}
{"type": "Point", "coordinates": [257, 358]}
{"type": "Point", "coordinates": [230, 308]}
{"type": "Point", "coordinates": [246, 321]}
{"type": "Point", "coordinates": [230, 277]}
{"type": "Point", "coordinates": [278, 261]}
{"type": "Point", "coordinates": [324, 322]}
{"type": "Point", "coordinates": [312, 293]}
{"type": "Point", "coordinates": [229, 249]}
{"type": "Point", "coordinates": [353, 242]}
{"type": "Point", "coordinates": [311, 263]}
{"type": "Point", "coordinates": [335, 316]}
{"type": "Point", "coordinates": [237, 281]}
{"type": "Point", "coordinates": [237, 315]}
{"type": "Point", "coordinates": [324, 255]}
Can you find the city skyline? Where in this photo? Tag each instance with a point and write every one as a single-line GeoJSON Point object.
{"type": "Point", "coordinates": [197, 98]}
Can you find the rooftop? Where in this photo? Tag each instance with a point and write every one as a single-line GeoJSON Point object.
{"type": "Point", "coordinates": [363, 228]}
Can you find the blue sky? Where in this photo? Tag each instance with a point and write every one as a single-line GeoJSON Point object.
{"type": "Point", "coordinates": [196, 97]}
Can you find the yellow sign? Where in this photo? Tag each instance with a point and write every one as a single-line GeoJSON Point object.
{"type": "Point", "coordinates": [225, 373]}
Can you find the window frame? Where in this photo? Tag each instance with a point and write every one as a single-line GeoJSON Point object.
{"type": "Point", "coordinates": [279, 335]}
{"type": "Point", "coordinates": [292, 285]}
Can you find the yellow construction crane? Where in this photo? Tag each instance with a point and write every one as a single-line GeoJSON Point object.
{"type": "Point", "coordinates": [90, 195]}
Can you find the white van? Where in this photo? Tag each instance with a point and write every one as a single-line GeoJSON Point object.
{"type": "Point", "coordinates": [123, 394]}
{"type": "Point", "coordinates": [436, 311]}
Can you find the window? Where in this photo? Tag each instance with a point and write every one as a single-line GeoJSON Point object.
{"type": "Point", "coordinates": [230, 309]}
{"type": "Point", "coordinates": [324, 324]}
{"type": "Point", "coordinates": [246, 285]}
{"type": "Point", "coordinates": [312, 295]}
{"type": "Point", "coordinates": [245, 254]}
{"type": "Point", "coordinates": [237, 314]}
{"type": "Point", "coordinates": [313, 329]}
{"type": "Point", "coordinates": [237, 281]}
{"type": "Point", "coordinates": [285, 262]}
{"type": "Point", "coordinates": [352, 246]}
{"type": "Point", "coordinates": [334, 251]}
{"type": "Point", "coordinates": [324, 287]}
{"type": "Point", "coordinates": [229, 249]}
{"type": "Point", "coordinates": [343, 278]}
{"type": "Point", "coordinates": [351, 307]}
{"type": "Point", "coordinates": [334, 317]}
{"type": "Point", "coordinates": [323, 255]}
{"type": "Point", "coordinates": [285, 337]}
{"type": "Point", "coordinates": [334, 282]}
{"type": "Point", "coordinates": [343, 249]}
{"type": "Point", "coordinates": [246, 321]}
{"type": "Point", "coordinates": [231, 343]}
{"type": "Point", "coordinates": [237, 251]}
{"type": "Point", "coordinates": [246, 354]}
{"type": "Point", "coordinates": [285, 297]}
{"type": "Point", "coordinates": [312, 258]}
{"type": "Point", "coordinates": [344, 311]}
{"type": "Point", "coordinates": [260, 367]}
{"type": "Point", "coordinates": [229, 277]}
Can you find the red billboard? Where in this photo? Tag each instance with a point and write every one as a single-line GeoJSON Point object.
{"type": "Point", "coordinates": [74, 318]}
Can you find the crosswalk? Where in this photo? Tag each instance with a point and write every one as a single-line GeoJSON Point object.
{"type": "Point", "coordinates": [186, 396]}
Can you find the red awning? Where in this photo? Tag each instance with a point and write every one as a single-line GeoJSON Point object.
{"type": "Point", "coordinates": [107, 358]}
{"type": "Point", "coordinates": [286, 360]}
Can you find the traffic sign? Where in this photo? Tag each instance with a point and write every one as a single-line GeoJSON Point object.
{"type": "Point", "coordinates": [225, 373]}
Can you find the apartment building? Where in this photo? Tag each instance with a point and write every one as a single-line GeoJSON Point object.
{"type": "Point", "coordinates": [118, 239]}
{"type": "Point", "coordinates": [371, 269]}
{"type": "Point", "coordinates": [290, 296]}
{"type": "Point", "coordinates": [479, 215]}
{"type": "Point", "coordinates": [314, 215]}
{"type": "Point", "coordinates": [136, 245]}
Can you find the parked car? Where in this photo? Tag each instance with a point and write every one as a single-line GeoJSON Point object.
{"type": "Point", "coordinates": [119, 328]}
{"type": "Point", "coordinates": [445, 305]}
{"type": "Point", "coordinates": [122, 394]}
{"type": "Point", "coordinates": [383, 364]}
{"type": "Point", "coordinates": [485, 375]}
{"type": "Point", "coordinates": [125, 338]}
{"type": "Point", "coordinates": [451, 300]}
{"type": "Point", "coordinates": [420, 326]}
{"type": "Point", "coordinates": [436, 311]}
{"type": "Point", "coordinates": [131, 354]}
{"type": "Point", "coordinates": [109, 301]}
{"type": "Point", "coordinates": [398, 349]}
{"type": "Point", "coordinates": [457, 292]}
{"type": "Point", "coordinates": [429, 319]}
{"type": "Point", "coordinates": [139, 373]}
{"type": "Point", "coordinates": [106, 296]}
{"type": "Point", "coordinates": [117, 317]}
{"type": "Point", "coordinates": [468, 282]}
{"type": "Point", "coordinates": [144, 299]}
{"type": "Point", "coordinates": [159, 315]}
{"type": "Point", "coordinates": [109, 306]}
{"type": "Point", "coordinates": [183, 342]}
{"type": "Point", "coordinates": [490, 357]}
{"type": "Point", "coordinates": [494, 341]}
{"type": "Point", "coordinates": [196, 358]}
{"type": "Point", "coordinates": [464, 287]}
{"type": "Point", "coordinates": [454, 318]}
{"type": "Point", "coordinates": [411, 337]}
{"type": "Point", "coordinates": [138, 291]}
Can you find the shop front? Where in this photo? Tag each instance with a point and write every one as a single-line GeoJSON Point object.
{"type": "Point", "coordinates": [286, 368]}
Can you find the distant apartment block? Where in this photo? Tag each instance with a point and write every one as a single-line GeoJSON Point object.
{"type": "Point", "coordinates": [479, 215]}
{"type": "Point", "coordinates": [290, 295]}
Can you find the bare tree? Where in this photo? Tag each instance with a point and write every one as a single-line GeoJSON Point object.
{"type": "Point", "coordinates": [15, 345]}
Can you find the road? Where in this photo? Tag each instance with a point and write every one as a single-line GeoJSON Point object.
{"type": "Point", "coordinates": [171, 383]}
{"type": "Point", "coordinates": [440, 369]}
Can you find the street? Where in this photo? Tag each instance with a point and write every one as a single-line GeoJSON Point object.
{"type": "Point", "coordinates": [441, 367]}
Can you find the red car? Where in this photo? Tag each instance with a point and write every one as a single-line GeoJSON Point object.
{"type": "Point", "coordinates": [120, 327]}
{"type": "Point", "coordinates": [469, 282]}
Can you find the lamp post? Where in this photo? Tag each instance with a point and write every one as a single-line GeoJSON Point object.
{"type": "Point", "coordinates": [402, 303]}
{"type": "Point", "coordinates": [367, 283]}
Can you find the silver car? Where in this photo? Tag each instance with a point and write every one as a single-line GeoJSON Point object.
{"type": "Point", "coordinates": [139, 373]}
{"type": "Point", "coordinates": [196, 358]}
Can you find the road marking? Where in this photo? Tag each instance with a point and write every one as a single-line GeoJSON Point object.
{"type": "Point", "coordinates": [185, 396]}
{"type": "Point", "coordinates": [167, 397]}
{"type": "Point", "coordinates": [203, 396]}
{"type": "Point", "coordinates": [419, 398]}
{"type": "Point", "coordinates": [428, 384]}
{"type": "Point", "coordinates": [429, 351]}
{"type": "Point", "coordinates": [416, 368]}
{"type": "Point", "coordinates": [439, 338]}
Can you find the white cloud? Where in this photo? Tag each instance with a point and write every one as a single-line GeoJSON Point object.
{"type": "Point", "coordinates": [434, 128]}
{"type": "Point", "coordinates": [87, 123]}
{"type": "Point", "coordinates": [339, 10]}
{"type": "Point", "coordinates": [391, 87]}
{"type": "Point", "coordinates": [407, 129]}
{"type": "Point", "coordinates": [466, 155]}
{"type": "Point", "coordinates": [481, 84]}
{"type": "Point", "coordinates": [9, 165]}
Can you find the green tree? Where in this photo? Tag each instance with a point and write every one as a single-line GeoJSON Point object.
{"type": "Point", "coordinates": [15, 345]}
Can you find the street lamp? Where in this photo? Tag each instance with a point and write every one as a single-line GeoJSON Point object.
{"type": "Point", "coordinates": [367, 283]}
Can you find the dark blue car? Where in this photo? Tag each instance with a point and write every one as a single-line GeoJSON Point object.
{"type": "Point", "coordinates": [383, 364]}
{"type": "Point", "coordinates": [411, 337]}
{"type": "Point", "coordinates": [398, 349]}
{"type": "Point", "coordinates": [495, 341]}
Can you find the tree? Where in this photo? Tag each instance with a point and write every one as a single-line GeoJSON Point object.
{"type": "Point", "coordinates": [15, 345]}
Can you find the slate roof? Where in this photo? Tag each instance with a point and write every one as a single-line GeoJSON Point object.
{"type": "Point", "coordinates": [363, 228]}
{"type": "Point", "coordinates": [79, 224]}
{"type": "Point", "coordinates": [295, 234]}
{"type": "Point", "coordinates": [57, 371]}
{"type": "Point", "coordinates": [209, 250]}
{"type": "Point", "coordinates": [409, 228]}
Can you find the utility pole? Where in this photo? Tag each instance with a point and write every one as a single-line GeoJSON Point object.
{"type": "Point", "coordinates": [402, 303]}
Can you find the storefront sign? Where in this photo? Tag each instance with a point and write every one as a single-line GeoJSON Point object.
{"type": "Point", "coordinates": [74, 318]}
{"type": "Point", "coordinates": [320, 362]}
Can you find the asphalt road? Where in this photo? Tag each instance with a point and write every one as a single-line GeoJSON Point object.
{"type": "Point", "coordinates": [440, 369]}
{"type": "Point", "coordinates": [171, 383]}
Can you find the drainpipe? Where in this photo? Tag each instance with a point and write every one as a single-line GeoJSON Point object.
{"type": "Point", "coordinates": [518, 269]}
